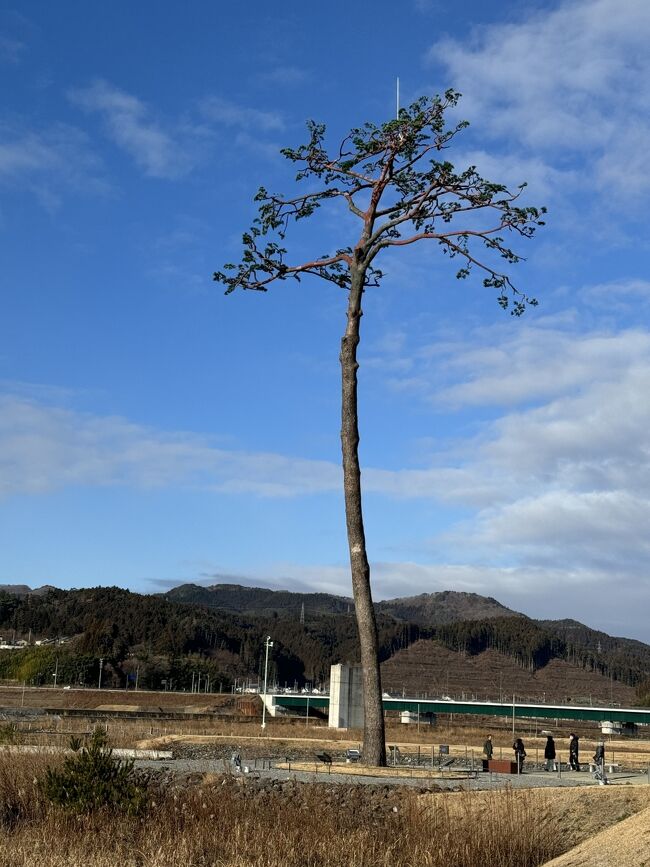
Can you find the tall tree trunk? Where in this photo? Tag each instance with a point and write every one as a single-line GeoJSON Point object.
{"type": "Point", "coordinates": [374, 740]}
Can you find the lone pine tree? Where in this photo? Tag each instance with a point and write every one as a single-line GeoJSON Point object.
{"type": "Point", "coordinates": [394, 179]}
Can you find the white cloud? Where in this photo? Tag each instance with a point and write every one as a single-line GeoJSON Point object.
{"type": "Point", "coordinates": [171, 149]}
{"type": "Point", "coordinates": [226, 113]}
{"type": "Point", "coordinates": [618, 294]}
{"type": "Point", "coordinates": [283, 76]}
{"type": "Point", "coordinates": [558, 484]}
{"type": "Point", "coordinates": [49, 161]}
{"type": "Point", "coordinates": [44, 448]}
{"type": "Point", "coordinates": [11, 50]}
{"type": "Point", "coordinates": [161, 152]}
{"type": "Point", "coordinates": [556, 490]}
{"type": "Point", "coordinates": [546, 182]}
{"type": "Point", "coordinates": [557, 494]}
{"type": "Point", "coordinates": [537, 363]}
{"type": "Point", "coordinates": [505, 367]}
{"type": "Point", "coordinates": [596, 530]}
{"type": "Point", "coordinates": [571, 80]}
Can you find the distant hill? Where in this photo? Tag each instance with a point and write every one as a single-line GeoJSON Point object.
{"type": "Point", "coordinates": [220, 631]}
{"type": "Point", "coordinates": [446, 606]}
{"type": "Point", "coordinates": [599, 649]}
{"type": "Point", "coordinates": [427, 609]}
{"type": "Point", "coordinates": [258, 600]}
{"type": "Point", "coordinates": [24, 590]}
{"type": "Point", "coordinates": [430, 669]}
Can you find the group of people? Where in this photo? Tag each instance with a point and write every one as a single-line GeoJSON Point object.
{"type": "Point", "coordinates": [549, 753]}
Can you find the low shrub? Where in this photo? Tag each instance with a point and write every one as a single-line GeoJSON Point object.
{"type": "Point", "coordinates": [92, 778]}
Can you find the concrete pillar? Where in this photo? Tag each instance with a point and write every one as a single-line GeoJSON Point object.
{"type": "Point", "coordinates": [346, 697]}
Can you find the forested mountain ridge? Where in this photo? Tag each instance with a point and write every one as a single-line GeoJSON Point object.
{"type": "Point", "coordinates": [24, 590]}
{"type": "Point", "coordinates": [166, 641]}
{"type": "Point", "coordinates": [259, 600]}
{"type": "Point", "coordinates": [445, 606]}
{"type": "Point", "coordinates": [426, 609]}
{"type": "Point", "coordinates": [121, 626]}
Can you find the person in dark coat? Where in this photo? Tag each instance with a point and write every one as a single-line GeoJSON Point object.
{"type": "Point", "coordinates": [574, 761]}
{"type": "Point", "coordinates": [599, 755]}
{"type": "Point", "coordinates": [520, 754]}
{"type": "Point", "coordinates": [599, 759]}
{"type": "Point", "coordinates": [488, 748]}
{"type": "Point", "coordinates": [549, 753]}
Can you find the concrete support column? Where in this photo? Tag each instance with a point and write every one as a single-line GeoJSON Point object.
{"type": "Point", "coordinates": [346, 697]}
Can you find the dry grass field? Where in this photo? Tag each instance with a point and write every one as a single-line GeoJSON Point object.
{"type": "Point", "coordinates": [35, 696]}
{"type": "Point", "coordinates": [282, 736]}
{"type": "Point", "coordinates": [219, 821]}
{"type": "Point", "coordinates": [234, 822]}
{"type": "Point", "coordinates": [225, 821]}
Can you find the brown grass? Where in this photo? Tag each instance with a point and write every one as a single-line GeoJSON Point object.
{"type": "Point", "coordinates": [232, 824]}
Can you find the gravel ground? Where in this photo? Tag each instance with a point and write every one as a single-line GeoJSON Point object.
{"type": "Point", "coordinates": [190, 759]}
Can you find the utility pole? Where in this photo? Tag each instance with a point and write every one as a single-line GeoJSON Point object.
{"type": "Point", "coordinates": [56, 672]}
{"type": "Point", "coordinates": [268, 643]}
{"type": "Point", "coordinates": [101, 666]}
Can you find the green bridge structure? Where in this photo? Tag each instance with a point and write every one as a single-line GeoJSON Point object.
{"type": "Point", "coordinates": [432, 706]}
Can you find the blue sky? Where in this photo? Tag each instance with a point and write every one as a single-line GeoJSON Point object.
{"type": "Point", "coordinates": [154, 432]}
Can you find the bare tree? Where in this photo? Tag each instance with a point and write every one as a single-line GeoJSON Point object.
{"type": "Point", "coordinates": [393, 179]}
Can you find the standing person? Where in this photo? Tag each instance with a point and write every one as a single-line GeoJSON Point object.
{"type": "Point", "coordinates": [549, 753]}
{"type": "Point", "coordinates": [599, 759]}
{"type": "Point", "coordinates": [488, 749]}
{"type": "Point", "coordinates": [574, 761]}
{"type": "Point", "coordinates": [520, 754]}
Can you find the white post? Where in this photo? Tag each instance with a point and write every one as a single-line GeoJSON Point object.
{"type": "Point", "coordinates": [268, 643]}
{"type": "Point", "coordinates": [101, 666]}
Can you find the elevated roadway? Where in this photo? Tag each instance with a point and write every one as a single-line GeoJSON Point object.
{"type": "Point", "coordinates": [423, 706]}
